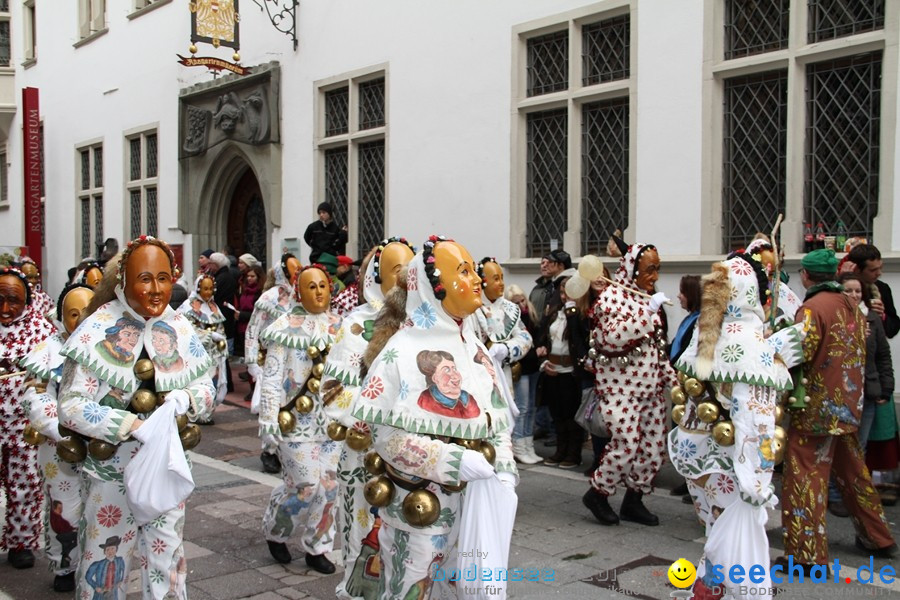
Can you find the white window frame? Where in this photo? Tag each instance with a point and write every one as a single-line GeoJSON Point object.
{"type": "Point", "coordinates": [91, 19]}
{"type": "Point", "coordinates": [29, 34]}
{"type": "Point", "coordinates": [142, 7]}
{"type": "Point", "coordinates": [573, 98]}
{"type": "Point", "coordinates": [91, 193]}
{"type": "Point", "coordinates": [144, 182]}
{"type": "Point", "coordinates": [352, 140]}
{"type": "Point", "coordinates": [794, 58]}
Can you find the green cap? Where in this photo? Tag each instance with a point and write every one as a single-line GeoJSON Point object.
{"type": "Point", "coordinates": [329, 261]}
{"type": "Point", "coordinates": [820, 261]}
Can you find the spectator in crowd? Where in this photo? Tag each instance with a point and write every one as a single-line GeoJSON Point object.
{"type": "Point", "coordinates": [325, 235]}
{"type": "Point", "coordinates": [251, 289]}
{"type": "Point", "coordinates": [526, 386]}
{"type": "Point", "coordinates": [226, 288]}
{"type": "Point", "coordinates": [109, 249]}
{"type": "Point", "coordinates": [587, 321]}
{"type": "Point", "coordinates": [867, 260]}
{"type": "Point", "coordinates": [203, 261]}
{"type": "Point", "coordinates": [346, 272]}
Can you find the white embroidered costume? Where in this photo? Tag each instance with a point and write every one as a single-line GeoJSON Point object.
{"type": "Point", "coordinates": [209, 324]}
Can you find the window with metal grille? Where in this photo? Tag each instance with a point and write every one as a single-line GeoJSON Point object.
{"type": "Point", "coordinates": [90, 198]}
{"type": "Point", "coordinates": [4, 5]}
{"type": "Point", "coordinates": [4, 42]}
{"type": "Point", "coordinates": [142, 184]}
{"type": "Point", "coordinates": [604, 173]}
{"type": "Point", "coordinates": [843, 142]}
{"type": "Point", "coordinates": [337, 105]}
{"type": "Point", "coordinates": [371, 104]}
{"type": "Point", "coordinates": [546, 180]}
{"type": "Point", "coordinates": [548, 63]}
{"type": "Point", "coordinates": [371, 194]}
{"type": "Point", "coordinates": [754, 150]}
{"type": "Point", "coordinates": [336, 182]}
{"type": "Point", "coordinates": [829, 19]}
{"type": "Point", "coordinates": [4, 179]}
{"type": "Point", "coordinates": [605, 50]}
{"type": "Point", "coordinates": [755, 27]}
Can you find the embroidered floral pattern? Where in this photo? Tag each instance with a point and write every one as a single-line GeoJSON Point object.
{"type": "Point", "coordinates": [109, 515]}
{"type": "Point", "coordinates": [94, 413]}
{"type": "Point", "coordinates": [687, 449]}
{"type": "Point", "coordinates": [732, 353]}
{"type": "Point", "coordinates": [424, 316]}
{"type": "Point", "coordinates": [374, 387]}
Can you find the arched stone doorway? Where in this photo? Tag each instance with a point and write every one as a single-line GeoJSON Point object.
{"type": "Point", "coordinates": [247, 218]}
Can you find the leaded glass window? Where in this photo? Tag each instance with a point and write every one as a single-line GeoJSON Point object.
{"type": "Point", "coordinates": [336, 183]}
{"type": "Point", "coordinates": [337, 106]}
{"type": "Point", "coordinates": [98, 219]}
{"type": "Point", "coordinates": [546, 180]}
{"type": "Point", "coordinates": [4, 5]}
{"type": "Point", "coordinates": [604, 173]}
{"type": "Point", "coordinates": [548, 63]}
{"type": "Point", "coordinates": [754, 149]}
{"type": "Point", "coordinates": [85, 227]}
{"type": "Point", "coordinates": [842, 138]}
{"type": "Point", "coordinates": [152, 219]}
{"type": "Point", "coordinates": [135, 146]}
{"type": "Point", "coordinates": [605, 50]}
{"type": "Point", "coordinates": [90, 198]}
{"type": "Point", "coordinates": [755, 26]}
{"type": "Point", "coordinates": [371, 104]}
{"type": "Point", "coordinates": [4, 44]}
{"type": "Point", "coordinates": [371, 194]}
{"type": "Point", "coordinates": [135, 213]}
{"type": "Point", "coordinates": [4, 179]}
{"type": "Point", "coordinates": [151, 156]}
{"type": "Point", "coordinates": [85, 169]}
{"type": "Point", "coordinates": [143, 184]}
{"type": "Point", "coordinates": [98, 166]}
{"type": "Point", "coordinates": [829, 19]}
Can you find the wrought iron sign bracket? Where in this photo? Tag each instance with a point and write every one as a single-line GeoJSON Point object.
{"type": "Point", "coordinates": [283, 15]}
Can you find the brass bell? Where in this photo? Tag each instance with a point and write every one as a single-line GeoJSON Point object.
{"type": "Point", "coordinates": [780, 434]}
{"type": "Point", "coordinates": [693, 387]}
{"type": "Point", "coordinates": [779, 414]}
{"type": "Point", "coordinates": [312, 384]}
{"type": "Point", "coordinates": [379, 491]}
{"type": "Point", "coordinates": [452, 489]}
{"type": "Point", "coordinates": [261, 357]}
{"type": "Point", "coordinates": [327, 348]}
{"type": "Point", "coordinates": [336, 431]}
{"type": "Point", "coordinates": [421, 508]}
{"type": "Point", "coordinates": [358, 440]}
{"type": "Point", "coordinates": [71, 450]}
{"type": "Point", "coordinates": [312, 352]}
{"type": "Point", "coordinates": [678, 413]}
{"type": "Point", "coordinates": [723, 433]}
{"type": "Point", "coordinates": [304, 404]}
{"type": "Point", "coordinates": [467, 444]}
{"type": "Point", "coordinates": [33, 436]}
{"type": "Point", "coordinates": [181, 422]}
{"type": "Point", "coordinates": [221, 345]}
{"type": "Point", "coordinates": [681, 377]}
{"type": "Point", "coordinates": [707, 412]}
{"type": "Point", "coordinates": [101, 449]}
{"type": "Point", "coordinates": [374, 463]}
{"type": "Point", "coordinates": [678, 396]}
{"type": "Point", "coordinates": [286, 421]}
{"type": "Point", "coordinates": [144, 369]}
{"type": "Point", "coordinates": [318, 370]}
{"type": "Point", "coordinates": [161, 398]}
{"type": "Point", "coordinates": [779, 450]}
{"type": "Point", "coordinates": [190, 436]}
{"type": "Point", "coordinates": [66, 432]}
{"type": "Point", "coordinates": [487, 449]}
{"type": "Point", "coordinates": [143, 401]}
{"type": "Point", "coordinates": [515, 370]}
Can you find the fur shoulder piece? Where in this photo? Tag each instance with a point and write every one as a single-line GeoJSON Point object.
{"type": "Point", "coordinates": [391, 316]}
{"type": "Point", "coordinates": [714, 301]}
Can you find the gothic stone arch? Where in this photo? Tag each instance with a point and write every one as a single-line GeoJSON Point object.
{"type": "Point", "coordinates": [225, 126]}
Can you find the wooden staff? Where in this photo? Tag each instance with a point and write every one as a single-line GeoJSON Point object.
{"type": "Point", "coordinates": [11, 375]}
{"type": "Point", "coordinates": [777, 252]}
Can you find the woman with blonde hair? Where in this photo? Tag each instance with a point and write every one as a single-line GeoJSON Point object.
{"type": "Point", "coordinates": [526, 386]}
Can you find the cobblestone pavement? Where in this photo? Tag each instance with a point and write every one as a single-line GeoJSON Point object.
{"type": "Point", "coordinates": [571, 555]}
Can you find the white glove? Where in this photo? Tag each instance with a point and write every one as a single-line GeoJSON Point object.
{"type": "Point", "coordinates": [657, 300]}
{"type": "Point", "coordinates": [569, 304]}
{"type": "Point", "coordinates": [217, 337]}
{"type": "Point", "coordinates": [270, 440]}
{"type": "Point", "coordinates": [507, 479]}
{"type": "Point", "coordinates": [181, 399]}
{"type": "Point", "coordinates": [255, 370]}
{"type": "Point", "coordinates": [499, 351]}
{"type": "Point", "coordinates": [474, 466]}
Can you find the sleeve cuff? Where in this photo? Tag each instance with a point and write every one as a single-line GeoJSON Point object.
{"type": "Point", "coordinates": [125, 428]}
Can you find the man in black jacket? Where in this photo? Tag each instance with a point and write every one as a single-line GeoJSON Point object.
{"type": "Point", "coordinates": [867, 260]}
{"type": "Point", "coordinates": [226, 288]}
{"type": "Point", "coordinates": [325, 235]}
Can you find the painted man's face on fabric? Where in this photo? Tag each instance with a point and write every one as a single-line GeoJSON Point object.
{"type": "Point", "coordinates": [110, 552]}
{"type": "Point", "coordinates": [648, 270]}
{"type": "Point", "coordinates": [458, 276]}
{"type": "Point", "coordinates": [75, 302]}
{"type": "Point", "coordinates": [493, 277]}
{"type": "Point", "coordinates": [31, 273]}
{"type": "Point", "coordinates": [206, 288]}
{"type": "Point", "coordinates": [293, 266]}
{"type": "Point", "coordinates": [163, 343]}
{"type": "Point", "coordinates": [394, 257]}
{"type": "Point", "coordinates": [447, 379]}
{"type": "Point", "coordinates": [148, 281]}
{"type": "Point", "coordinates": [12, 299]}
{"type": "Point", "coordinates": [314, 290]}
{"type": "Point", "coordinates": [93, 276]}
{"type": "Point", "coordinates": [127, 338]}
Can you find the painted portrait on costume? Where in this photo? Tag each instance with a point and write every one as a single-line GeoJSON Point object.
{"type": "Point", "coordinates": [165, 344]}
{"type": "Point", "coordinates": [121, 339]}
{"type": "Point", "coordinates": [444, 394]}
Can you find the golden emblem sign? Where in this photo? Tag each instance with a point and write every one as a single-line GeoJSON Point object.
{"type": "Point", "coordinates": [215, 22]}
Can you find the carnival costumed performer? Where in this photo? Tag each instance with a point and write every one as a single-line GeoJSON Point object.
{"type": "Point", "coordinates": [431, 402]}
{"type": "Point", "coordinates": [788, 302]}
{"type": "Point", "coordinates": [22, 328]}
{"type": "Point", "coordinates": [118, 366]}
{"type": "Point", "coordinates": [41, 301]}
{"type": "Point", "coordinates": [62, 480]}
{"type": "Point", "coordinates": [341, 386]}
{"type": "Point", "coordinates": [273, 303]}
{"type": "Point", "coordinates": [727, 441]}
{"type": "Point", "coordinates": [632, 375]}
{"type": "Point", "coordinates": [203, 313]}
{"type": "Point", "coordinates": [501, 329]}
{"type": "Point", "coordinates": [90, 275]}
{"type": "Point", "coordinates": [292, 418]}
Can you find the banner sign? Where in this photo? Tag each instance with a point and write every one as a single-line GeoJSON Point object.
{"type": "Point", "coordinates": [210, 62]}
{"type": "Point", "coordinates": [34, 222]}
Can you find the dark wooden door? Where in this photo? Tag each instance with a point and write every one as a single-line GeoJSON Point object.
{"type": "Point", "coordinates": [247, 219]}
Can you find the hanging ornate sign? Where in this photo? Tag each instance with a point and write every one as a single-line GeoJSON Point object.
{"type": "Point", "coordinates": [215, 22]}
{"type": "Point", "coordinates": [215, 64]}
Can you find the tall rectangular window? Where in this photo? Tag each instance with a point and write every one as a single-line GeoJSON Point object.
{"type": "Point", "coordinates": [4, 179]}
{"type": "Point", "coordinates": [829, 19]}
{"type": "Point", "coordinates": [574, 120]}
{"type": "Point", "coordinates": [90, 198]}
{"type": "Point", "coordinates": [142, 183]}
{"type": "Point", "coordinates": [755, 27]}
{"type": "Point", "coordinates": [91, 17]}
{"type": "Point", "coordinates": [29, 30]}
{"type": "Point", "coordinates": [352, 127]}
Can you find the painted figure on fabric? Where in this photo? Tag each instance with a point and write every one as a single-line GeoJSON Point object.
{"type": "Point", "coordinates": [120, 341]}
{"type": "Point", "coordinates": [105, 575]}
{"type": "Point", "coordinates": [444, 396]}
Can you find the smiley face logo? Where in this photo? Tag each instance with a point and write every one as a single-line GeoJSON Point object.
{"type": "Point", "coordinates": [682, 573]}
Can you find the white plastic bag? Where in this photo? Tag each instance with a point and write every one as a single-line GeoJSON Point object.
{"type": "Point", "coordinates": [257, 395]}
{"type": "Point", "coordinates": [158, 478]}
{"type": "Point", "coordinates": [738, 537]}
{"type": "Point", "coordinates": [485, 530]}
